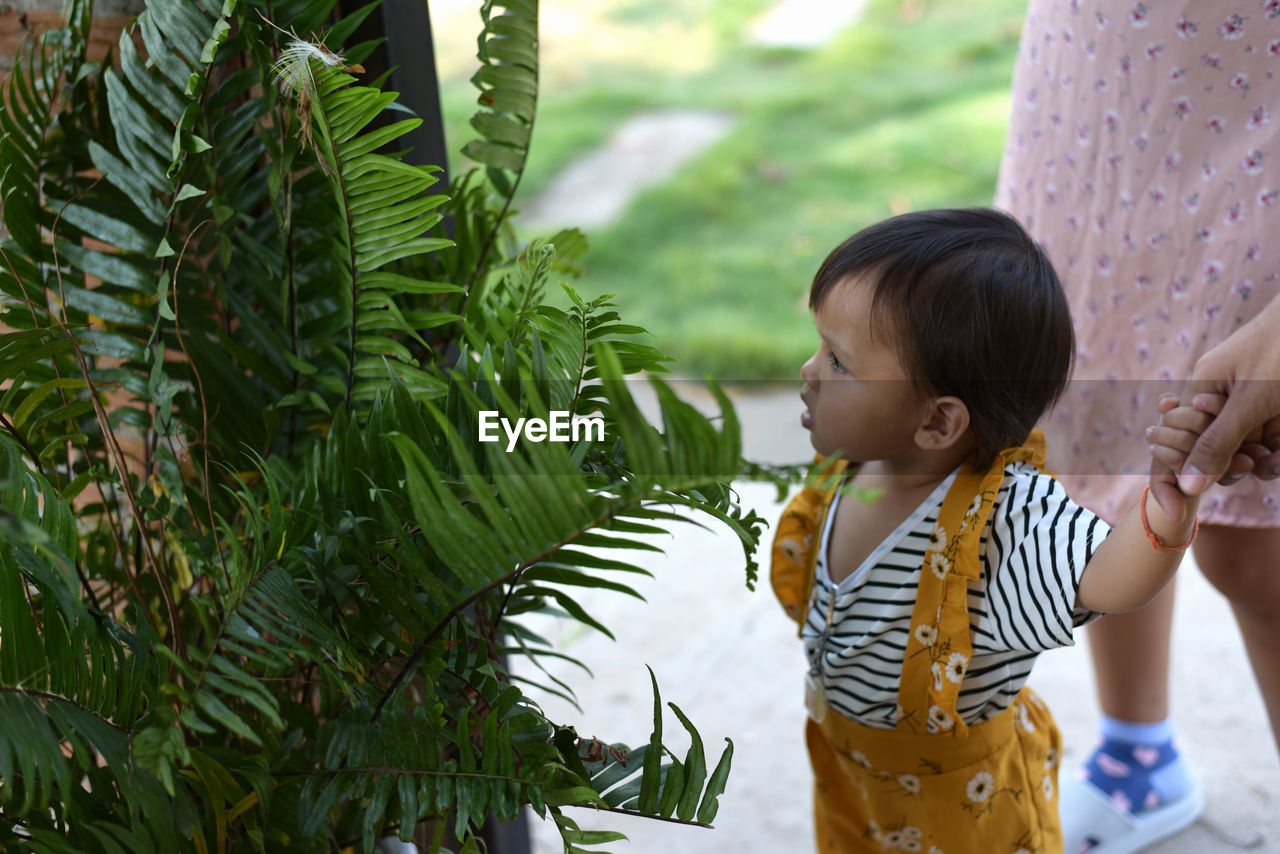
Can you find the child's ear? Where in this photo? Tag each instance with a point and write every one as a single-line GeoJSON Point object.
{"type": "Point", "coordinates": [944, 425]}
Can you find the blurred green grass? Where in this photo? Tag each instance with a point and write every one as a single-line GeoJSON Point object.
{"type": "Point", "coordinates": [903, 110]}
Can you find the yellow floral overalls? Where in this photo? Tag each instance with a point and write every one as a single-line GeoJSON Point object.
{"type": "Point", "coordinates": [933, 784]}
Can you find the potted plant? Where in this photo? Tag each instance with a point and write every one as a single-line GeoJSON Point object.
{"type": "Point", "coordinates": [259, 573]}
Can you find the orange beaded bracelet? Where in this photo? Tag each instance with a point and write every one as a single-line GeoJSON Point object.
{"type": "Point", "coordinates": [1156, 543]}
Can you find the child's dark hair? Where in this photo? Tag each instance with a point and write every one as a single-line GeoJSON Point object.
{"type": "Point", "coordinates": [975, 310]}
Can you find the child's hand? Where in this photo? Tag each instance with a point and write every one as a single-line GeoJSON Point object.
{"type": "Point", "coordinates": [1170, 448]}
{"type": "Point", "coordinates": [1170, 440]}
{"type": "Point", "coordinates": [1174, 435]}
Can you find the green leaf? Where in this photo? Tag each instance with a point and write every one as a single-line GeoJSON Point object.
{"type": "Point", "coordinates": [495, 154]}
{"type": "Point", "coordinates": [109, 266]}
{"type": "Point", "coordinates": [188, 191]}
{"type": "Point", "coordinates": [220, 31]}
{"type": "Point", "coordinates": [97, 303]}
{"type": "Point", "coordinates": [501, 129]}
{"type": "Point", "coordinates": [162, 295]}
{"type": "Point", "coordinates": [38, 396]}
{"type": "Point", "coordinates": [695, 767]}
{"type": "Point", "coordinates": [673, 786]}
{"type": "Point", "coordinates": [193, 144]}
{"type": "Point", "coordinates": [514, 78]}
{"type": "Point", "coordinates": [557, 575]}
{"type": "Point", "coordinates": [378, 138]}
{"type": "Point", "coordinates": [106, 227]}
{"type": "Point", "coordinates": [218, 712]}
{"type": "Point", "coordinates": [407, 789]}
{"type": "Point", "coordinates": [593, 837]}
{"type": "Point", "coordinates": [653, 756]}
{"type": "Point", "coordinates": [133, 182]}
{"type": "Point", "coordinates": [571, 795]}
{"type": "Point", "coordinates": [566, 741]}
{"type": "Point", "coordinates": [715, 786]}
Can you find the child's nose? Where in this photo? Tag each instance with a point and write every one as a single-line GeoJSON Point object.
{"type": "Point", "coordinates": [808, 371]}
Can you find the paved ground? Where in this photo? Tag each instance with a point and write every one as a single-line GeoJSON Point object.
{"type": "Point", "coordinates": [644, 151]}
{"type": "Point", "coordinates": [730, 660]}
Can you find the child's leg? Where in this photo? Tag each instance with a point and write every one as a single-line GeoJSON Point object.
{"type": "Point", "coordinates": [834, 798]}
{"type": "Point", "coordinates": [1244, 564]}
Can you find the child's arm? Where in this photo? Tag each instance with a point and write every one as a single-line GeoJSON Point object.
{"type": "Point", "coordinates": [1128, 569]}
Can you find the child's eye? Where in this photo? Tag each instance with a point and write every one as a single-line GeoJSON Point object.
{"type": "Point", "coordinates": [835, 363]}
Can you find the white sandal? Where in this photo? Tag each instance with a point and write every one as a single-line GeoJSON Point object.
{"type": "Point", "coordinates": [1086, 814]}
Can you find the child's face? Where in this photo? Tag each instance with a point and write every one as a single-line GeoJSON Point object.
{"type": "Point", "coordinates": [859, 398]}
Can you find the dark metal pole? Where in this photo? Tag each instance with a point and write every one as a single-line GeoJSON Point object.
{"type": "Point", "coordinates": [409, 52]}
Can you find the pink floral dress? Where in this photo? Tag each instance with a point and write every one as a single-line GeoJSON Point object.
{"type": "Point", "coordinates": [1143, 154]}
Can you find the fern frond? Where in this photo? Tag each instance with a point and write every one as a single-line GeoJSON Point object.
{"type": "Point", "coordinates": [72, 680]}
{"type": "Point", "coordinates": [383, 214]}
{"type": "Point", "coordinates": [647, 781]}
{"type": "Point", "coordinates": [508, 83]}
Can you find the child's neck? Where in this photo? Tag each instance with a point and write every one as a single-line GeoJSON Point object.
{"type": "Point", "coordinates": [859, 527]}
{"type": "Point", "coordinates": [891, 479]}
{"type": "Point", "coordinates": [918, 473]}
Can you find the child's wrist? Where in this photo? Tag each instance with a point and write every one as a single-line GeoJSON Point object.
{"type": "Point", "coordinates": [1164, 534]}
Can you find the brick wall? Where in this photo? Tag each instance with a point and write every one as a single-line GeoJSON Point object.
{"type": "Point", "coordinates": [21, 20]}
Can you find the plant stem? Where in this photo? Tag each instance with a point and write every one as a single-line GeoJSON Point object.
{"type": "Point", "coordinates": [351, 246]}
{"type": "Point", "coordinates": [116, 454]}
{"type": "Point", "coordinates": [31, 452]}
{"type": "Point", "coordinates": [292, 305]}
{"type": "Point", "coordinates": [461, 606]}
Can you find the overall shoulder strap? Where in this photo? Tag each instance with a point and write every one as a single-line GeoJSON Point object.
{"type": "Point", "coordinates": [939, 646]}
{"type": "Point", "coordinates": [797, 539]}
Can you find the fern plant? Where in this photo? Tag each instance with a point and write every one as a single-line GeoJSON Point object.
{"type": "Point", "coordinates": [260, 578]}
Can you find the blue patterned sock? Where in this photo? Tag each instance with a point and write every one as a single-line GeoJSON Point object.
{"type": "Point", "coordinates": [1137, 765]}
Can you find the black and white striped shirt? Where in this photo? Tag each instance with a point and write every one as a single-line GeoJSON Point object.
{"type": "Point", "coordinates": [1034, 548]}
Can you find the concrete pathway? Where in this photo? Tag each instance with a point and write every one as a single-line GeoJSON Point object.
{"type": "Point", "coordinates": [730, 659]}
{"type": "Point", "coordinates": [645, 151]}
